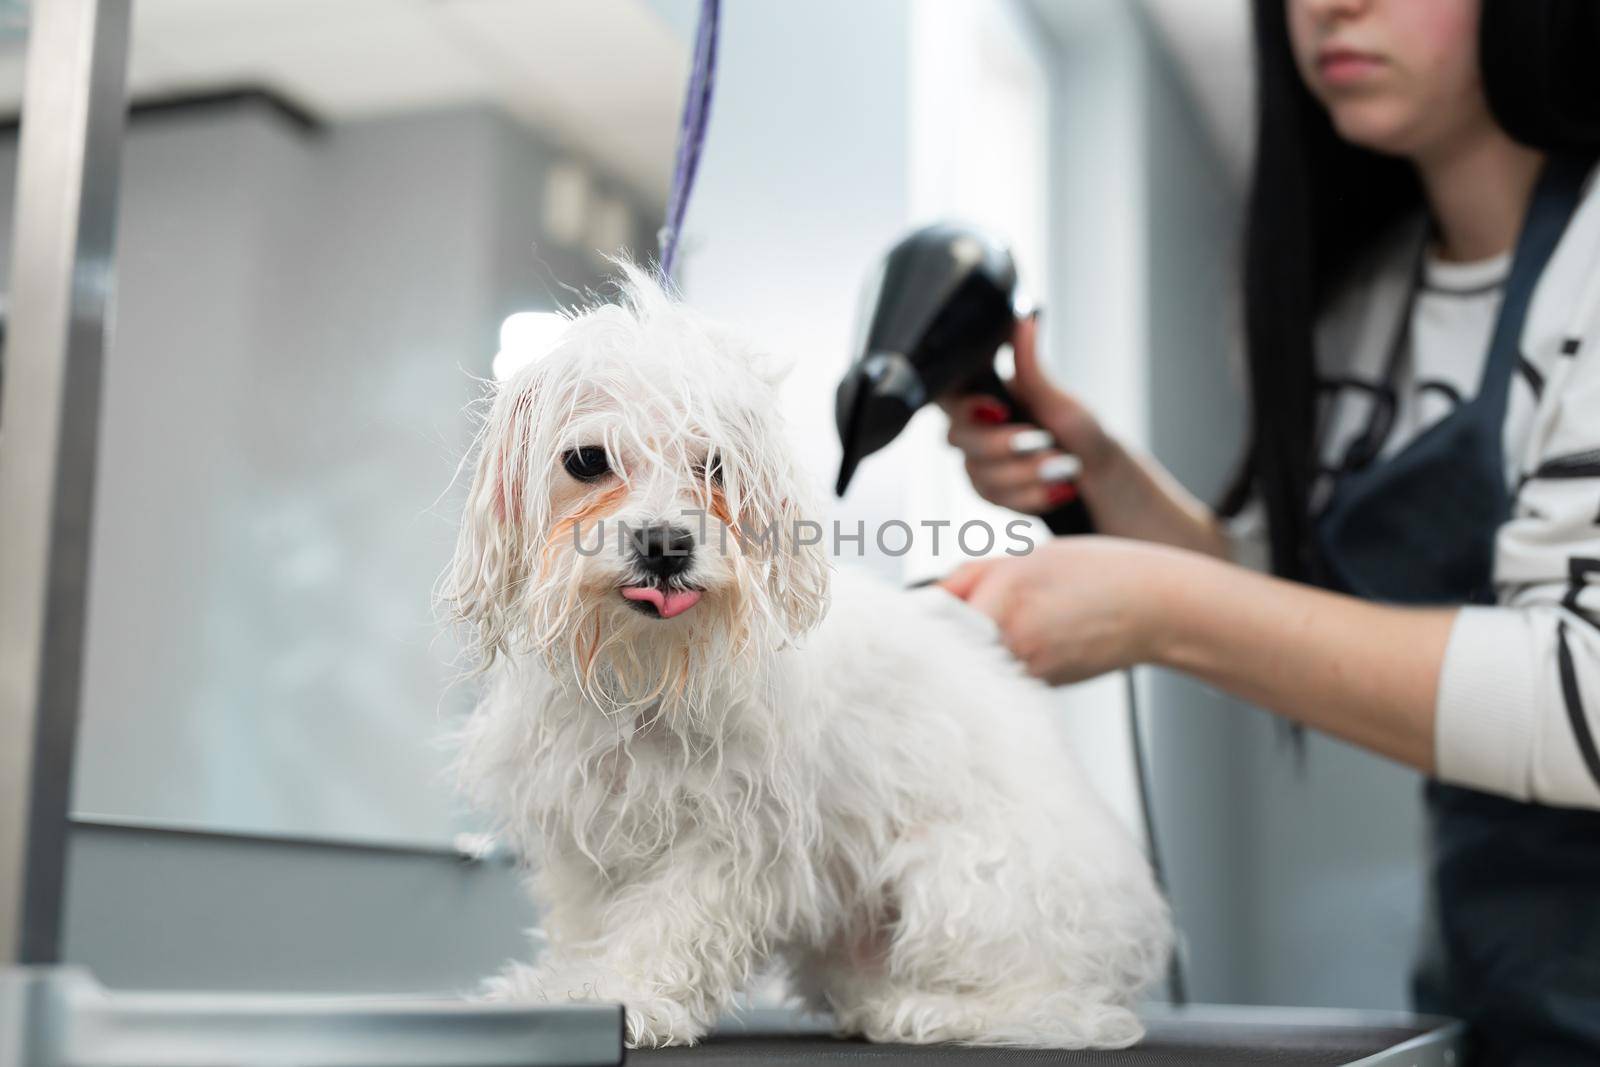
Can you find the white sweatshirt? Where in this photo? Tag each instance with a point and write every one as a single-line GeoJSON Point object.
{"type": "Point", "coordinates": [1518, 710]}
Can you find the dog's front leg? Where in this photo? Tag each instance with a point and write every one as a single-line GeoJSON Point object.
{"type": "Point", "coordinates": [673, 947]}
{"type": "Point", "coordinates": [686, 940]}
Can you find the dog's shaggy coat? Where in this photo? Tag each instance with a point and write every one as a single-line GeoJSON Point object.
{"type": "Point", "coordinates": [868, 794]}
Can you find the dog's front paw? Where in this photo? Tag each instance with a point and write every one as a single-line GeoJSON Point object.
{"type": "Point", "coordinates": [517, 984]}
{"type": "Point", "coordinates": [656, 1022]}
{"type": "Point", "coordinates": [652, 1021]}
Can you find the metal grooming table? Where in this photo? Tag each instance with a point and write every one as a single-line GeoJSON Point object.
{"type": "Point", "coordinates": [1198, 1036]}
{"type": "Point", "coordinates": [59, 1017]}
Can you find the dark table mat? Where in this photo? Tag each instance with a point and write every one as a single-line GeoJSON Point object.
{"type": "Point", "coordinates": [1193, 1044]}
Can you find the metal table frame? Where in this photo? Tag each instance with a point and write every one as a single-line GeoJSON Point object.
{"type": "Point", "coordinates": [62, 277]}
{"type": "Point", "coordinates": [59, 1017]}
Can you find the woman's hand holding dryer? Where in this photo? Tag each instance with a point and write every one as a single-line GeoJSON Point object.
{"type": "Point", "coordinates": [1034, 468]}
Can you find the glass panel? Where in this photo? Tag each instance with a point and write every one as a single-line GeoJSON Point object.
{"type": "Point", "coordinates": [327, 212]}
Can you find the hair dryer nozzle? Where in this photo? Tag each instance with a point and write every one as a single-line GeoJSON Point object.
{"type": "Point", "coordinates": [874, 402]}
{"type": "Point", "coordinates": [943, 303]}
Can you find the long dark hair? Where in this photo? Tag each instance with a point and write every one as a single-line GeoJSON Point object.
{"type": "Point", "coordinates": [1317, 201]}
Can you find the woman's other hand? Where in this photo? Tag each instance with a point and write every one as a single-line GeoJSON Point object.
{"type": "Point", "coordinates": [1075, 607]}
{"type": "Point", "coordinates": [1078, 607]}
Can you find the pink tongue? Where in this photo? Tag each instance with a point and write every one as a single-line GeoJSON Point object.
{"type": "Point", "coordinates": [669, 603]}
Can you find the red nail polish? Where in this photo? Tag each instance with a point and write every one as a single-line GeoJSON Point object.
{"type": "Point", "coordinates": [989, 412]}
{"type": "Point", "coordinates": [1065, 493]}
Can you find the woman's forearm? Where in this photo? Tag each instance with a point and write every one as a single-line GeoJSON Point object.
{"type": "Point", "coordinates": [1130, 495]}
{"type": "Point", "coordinates": [1367, 673]}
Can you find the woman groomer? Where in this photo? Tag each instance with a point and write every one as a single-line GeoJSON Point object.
{"type": "Point", "coordinates": [1423, 322]}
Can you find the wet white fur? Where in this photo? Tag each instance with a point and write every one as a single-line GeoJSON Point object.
{"type": "Point", "coordinates": [870, 794]}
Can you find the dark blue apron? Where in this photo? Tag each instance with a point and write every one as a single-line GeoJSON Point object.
{"type": "Point", "coordinates": [1514, 939]}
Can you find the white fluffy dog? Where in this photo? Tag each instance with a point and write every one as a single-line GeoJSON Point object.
{"type": "Point", "coordinates": [716, 771]}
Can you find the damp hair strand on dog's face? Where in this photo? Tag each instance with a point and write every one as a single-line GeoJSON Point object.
{"type": "Point", "coordinates": [607, 529]}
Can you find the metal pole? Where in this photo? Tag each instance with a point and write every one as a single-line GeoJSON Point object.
{"type": "Point", "coordinates": [61, 286]}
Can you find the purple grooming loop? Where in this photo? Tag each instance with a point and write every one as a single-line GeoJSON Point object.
{"type": "Point", "coordinates": [691, 133]}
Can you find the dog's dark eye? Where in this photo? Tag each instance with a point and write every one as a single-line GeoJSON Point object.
{"type": "Point", "coordinates": [710, 468]}
{"type": "Point", "coordinates": [586, 464]}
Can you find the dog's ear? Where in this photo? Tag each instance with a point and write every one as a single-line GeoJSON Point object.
{"type": "Point", "coordinates": [491, 561]}
{"type": "Point", "coordinates": [797, 573]}
{"type": "Point", "coordinates": [800, 583]}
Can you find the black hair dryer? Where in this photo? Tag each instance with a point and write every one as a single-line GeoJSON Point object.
{"type": "Point", "coordinates": [942, 303]}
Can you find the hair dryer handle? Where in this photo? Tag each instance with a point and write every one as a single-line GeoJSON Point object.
{"type": "Point", "coordinates": [1070, 518]}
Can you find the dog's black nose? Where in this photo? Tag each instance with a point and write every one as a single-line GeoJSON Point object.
{"type": "Point", "coordinates": [663, 550]}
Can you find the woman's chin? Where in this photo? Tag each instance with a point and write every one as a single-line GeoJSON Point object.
{"type": "Point", "coordinates": [1377, 124]}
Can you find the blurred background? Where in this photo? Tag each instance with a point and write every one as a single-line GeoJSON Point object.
{"type": "Point", "coordinates": [328, 210]}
